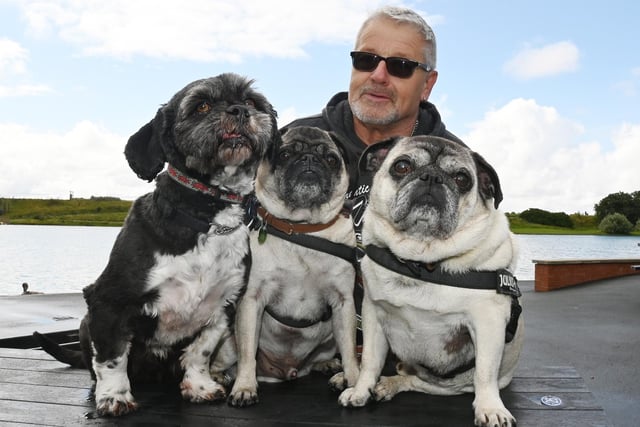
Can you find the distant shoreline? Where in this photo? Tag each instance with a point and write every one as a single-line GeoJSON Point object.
{"type": "Point", "coordinates": [516, 229]}
{"type": "Point", "coordinates": [111, 212]}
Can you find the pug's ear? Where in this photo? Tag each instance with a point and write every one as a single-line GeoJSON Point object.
{"type": "Point", "coordinates": [144, 149]}
{"type": "Point", "coordinates": [341, 147]}
{"type": "Point", "coordinates": [372, 157]}
{"type": "Point", "coordinates": [274, 145]}
{"type": "Point", "coordinates": [488, 181]}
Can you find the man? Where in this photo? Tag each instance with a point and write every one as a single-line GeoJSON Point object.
{"type": "Point", "coordinates": [392, 77]}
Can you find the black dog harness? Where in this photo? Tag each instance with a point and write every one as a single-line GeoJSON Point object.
{"type": "Point", "coordinates": [502, 281]}
{"type": "Point", "coordinates": [297, 233]}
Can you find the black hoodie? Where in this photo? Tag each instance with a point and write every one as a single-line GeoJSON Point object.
{"type": "Point", "coordinates": [338, 118]}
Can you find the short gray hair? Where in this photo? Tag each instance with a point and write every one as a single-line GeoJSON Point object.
{"type": "Point", "coordinates": [408, 16]}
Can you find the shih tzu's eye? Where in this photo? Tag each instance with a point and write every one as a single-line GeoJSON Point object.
{"type": "Point", "coordinates": [203, 107]}
{"type": "Point", "coordinates": [463, 181]}
{"type": "Point", "coordinates": [402, 167]}
{"type": "Point", "coordinates": [250, 102]}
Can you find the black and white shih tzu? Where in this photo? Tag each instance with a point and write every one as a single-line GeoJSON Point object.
{"type": "Point", "coordinates": [162, 306]}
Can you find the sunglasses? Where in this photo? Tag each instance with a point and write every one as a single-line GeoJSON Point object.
{"type": "Point", "coordinates": [396, 66]}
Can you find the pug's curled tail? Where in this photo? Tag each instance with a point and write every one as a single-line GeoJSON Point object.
{"type": "Point", "coordinates": [73, 358]}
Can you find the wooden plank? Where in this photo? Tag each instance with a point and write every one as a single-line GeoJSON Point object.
{"type": "Point", "coordinates": [36, 390]}
{"type": "Point", "coordinates": [31, 364]}
{"type": "Point", "coordinates": [61, 395]}
{"type": "Point", "coordinates": [73, 378]}
{"type": "Point", "coordinates": [564, 418]}
{"type": "Point", "coordinates": [19, 353]}
{"type": "Point", "coordinates": [547, 372]}
{"type": "Point", "coordinates": [547, 385]}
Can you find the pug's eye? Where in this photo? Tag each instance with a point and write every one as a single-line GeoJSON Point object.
{"type": "Point", "coordinates": [332, 160]}
{"type": "Point", "coordinates": [203, 107]}
{"type": "Point", "coordinates": [462, 180]}
{"type": "Point", "coordinates": [250, 102]}
{"type": "Point", "coordinates": [284, 155]}
{"type": "Point", "coordinates": [402, 167]}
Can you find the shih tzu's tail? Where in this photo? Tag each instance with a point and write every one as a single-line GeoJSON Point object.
{"type": "Point", "coordinates": [74, 358]}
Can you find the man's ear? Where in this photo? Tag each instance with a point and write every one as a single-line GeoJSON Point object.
{"type": "Point", "coordinates": [488, 181]}
{"type": "Point", "coordinates": [144, 149]}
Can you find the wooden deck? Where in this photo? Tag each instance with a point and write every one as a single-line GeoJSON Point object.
{"type": "Point", "coordinates": [37, 390]}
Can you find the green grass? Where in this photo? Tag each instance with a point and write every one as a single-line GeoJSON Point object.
{"type": "Point", "coordinates": [582, 227]}
{"type": "Point", "coordinates": [96, 211]}
{"type": "Point", "coordinates": [107, 211]}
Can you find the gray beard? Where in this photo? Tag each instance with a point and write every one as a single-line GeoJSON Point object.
{"type": "Point", "coordinates": [368, 119]}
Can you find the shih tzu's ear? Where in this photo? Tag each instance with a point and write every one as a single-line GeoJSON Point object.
{"type": "Point", "coordinates": [144, 150]}
{"type": "Point", "coordinates": [372, 157]}
{"type": "Point", "coordinates": [488, 182]}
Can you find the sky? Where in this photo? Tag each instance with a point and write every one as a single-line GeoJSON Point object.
{"type": "Point", "coordinates": [547, 91]}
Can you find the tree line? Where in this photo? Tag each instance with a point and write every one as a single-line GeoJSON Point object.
{"type": "Point", "coordinates": [617, 213]}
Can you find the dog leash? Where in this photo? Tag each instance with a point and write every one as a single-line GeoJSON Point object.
{"type": "Point", "coordinates": [502, 281]}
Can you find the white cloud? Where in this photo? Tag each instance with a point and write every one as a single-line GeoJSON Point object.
{"type": "Point", "coordinates": [629, 87]}
{"type": "Point", "coordinates": [23, 90]}
{"type": "Point", "coordinates": [13, 58]}
{"type": "Point", "coordinates": [87, 160]}
{"type": "Point", "coordinates": [13, 63]}
{"type": "Point", "coordinates": [287, 116]}
{"type": "Point", "coordinates": [549, 60]}
{"type": "Point", "coordinates": [206, 30]}
{"type": "Point", "coordinates": [539, 155]}
{"type": "Point", "coordinates": [543, 162]}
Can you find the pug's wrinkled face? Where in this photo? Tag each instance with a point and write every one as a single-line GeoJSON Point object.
{"type": "Point", "coordinates": [305, 172]}
{"type": "Point", "coordinates": [427, 186]}
{"type": "Point", "coordinates": [221, 122]}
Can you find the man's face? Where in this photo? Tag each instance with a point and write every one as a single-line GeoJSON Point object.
{"type": "Point", "coordinates": [378, 98]}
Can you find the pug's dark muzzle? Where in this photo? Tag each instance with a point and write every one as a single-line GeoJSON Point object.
{"type": "Point", "coordinates": [430, 189]}
{"type": "Point", "coordinates": [307, 167]}
{"type": "Point", "coordinates": [426, 202]}
{"type": "Point", "coordinates": [306, 180]}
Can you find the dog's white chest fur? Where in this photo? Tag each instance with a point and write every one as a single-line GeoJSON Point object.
{"type": "Point", "coordinates": [194, 288]}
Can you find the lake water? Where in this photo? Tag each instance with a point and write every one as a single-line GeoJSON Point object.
{"type": "Point", "coordinates": [55, 259]}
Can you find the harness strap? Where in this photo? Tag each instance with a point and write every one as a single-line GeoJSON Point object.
{"type": "Point", "coordinates": [299, 323]}
{"type": "Point", "coordinates": [339, 250]}
{"type": "Point", "coordinates": [502, 281]}
{"type": "Point", "coordinates": [452, 373]}
{"type": "Point", "coordinates": [293, 227]}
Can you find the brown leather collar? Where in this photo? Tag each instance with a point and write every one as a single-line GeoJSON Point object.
{"type": "Point", "coordinates": [289, 227]}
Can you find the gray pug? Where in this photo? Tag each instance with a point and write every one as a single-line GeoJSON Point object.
{"type": "Point", "coordinates": [298, 309]}
{"type": "Point", "coordinates": [438, 292]}
{"type": "Point", "coordinates": [163, 304]}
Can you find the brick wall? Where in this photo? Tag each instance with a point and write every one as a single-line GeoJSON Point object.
{"type": "Point", "coordinates": [550, 275]}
